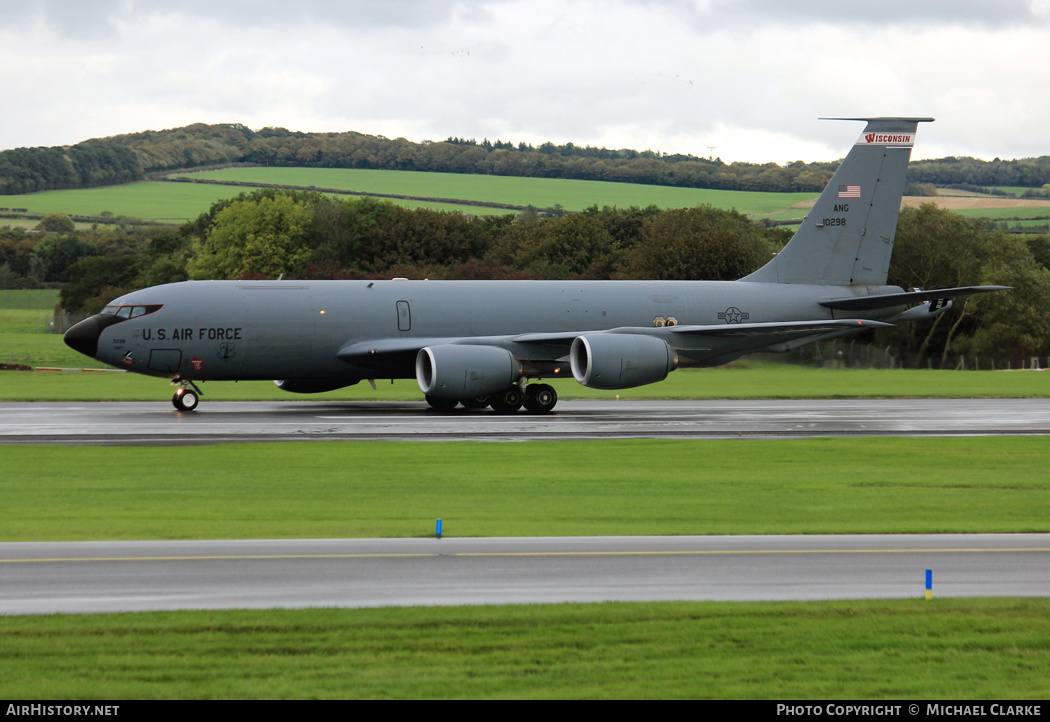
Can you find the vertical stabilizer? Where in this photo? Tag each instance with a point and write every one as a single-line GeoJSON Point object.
{"type": "Point", "coordinates": [847, 238]}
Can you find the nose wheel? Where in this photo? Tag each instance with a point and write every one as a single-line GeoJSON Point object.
{"type": "Point", "coordinates": [186, 398]}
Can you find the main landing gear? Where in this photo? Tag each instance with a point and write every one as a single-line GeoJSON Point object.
{"type": "Point", "coordinates": [187, 397]}
{"type": "Point", "coordinates": [536, 398]}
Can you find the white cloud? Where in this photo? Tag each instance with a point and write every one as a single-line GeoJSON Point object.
{"type": "Point", "coordinates": [750, 77]}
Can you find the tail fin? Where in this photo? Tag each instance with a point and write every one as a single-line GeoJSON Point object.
{"type": "Point", "coordinates": [847, 238]}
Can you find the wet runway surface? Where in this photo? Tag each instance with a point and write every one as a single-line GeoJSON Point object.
{"type": "Point", "coordinates": [41, 578]}
{"type": "Point", "coordinates": [223, 422]}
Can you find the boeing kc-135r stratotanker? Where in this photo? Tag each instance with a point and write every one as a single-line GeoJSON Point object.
{"type": "Point", "coordinates": [478, 343]}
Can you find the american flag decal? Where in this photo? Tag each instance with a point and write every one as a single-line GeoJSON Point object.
{"type": "Point", "coordinates": [849, 191]}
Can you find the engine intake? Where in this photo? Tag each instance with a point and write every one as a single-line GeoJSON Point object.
{"type": "Point", "coordinates": [465, 372]}
{"type": "Point", "coordinates": [620, 360]}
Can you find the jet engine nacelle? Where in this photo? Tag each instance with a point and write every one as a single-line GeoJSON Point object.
{"type": "Point", "coordinates": [620, 360]}
{"type": "Point", "coordinates": [465, 372]}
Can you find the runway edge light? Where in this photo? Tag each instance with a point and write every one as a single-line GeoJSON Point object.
{"type": "Point", "coordinates": [929, 584]}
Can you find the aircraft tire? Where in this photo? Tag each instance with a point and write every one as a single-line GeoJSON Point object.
{"type": "Point", "coordinates": [185, 400]}
{"type": "Point", "coordinates": [478, 402]}
{"type": "Point", "coordinates": [507, 401]}
{"type": "Point", "coordinates": [441, 404]}
{"type": "Point", "coordinates": [540, 398]}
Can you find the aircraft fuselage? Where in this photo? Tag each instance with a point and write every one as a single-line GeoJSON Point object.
{"type": "Point", "coordinates": [223, 330]}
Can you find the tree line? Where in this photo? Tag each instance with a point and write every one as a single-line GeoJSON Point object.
{"type": "Point", "coordinates": [134, 156]}
{"type": "Point", "coordinates": [300, 234]}
{"type": "Point", "coordinates": [28, 170]}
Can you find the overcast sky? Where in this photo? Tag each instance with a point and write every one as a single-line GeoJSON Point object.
{"type": "Point", "coordinates": [748, 77]}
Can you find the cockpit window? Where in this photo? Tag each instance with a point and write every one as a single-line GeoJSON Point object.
{"type": "Point", "coordinates": [130, 311]}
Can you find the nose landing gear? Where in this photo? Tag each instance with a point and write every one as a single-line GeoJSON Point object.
{"type": "Point", "coordinates": [187, 397]}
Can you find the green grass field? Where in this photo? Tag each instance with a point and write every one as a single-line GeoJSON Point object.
{"type": "Point", "coordinates": [174, 202]}
{"type": "Point", "coordinates": [153, 200]}
{"type": "Point", "coordinates": [1016, 190]}
{"type": "Point", "coordinates": [570, 488]}
{"type": "Point", "coordinates": [995, 214]}
{"type": "Point", "coordinates": [147, 200]}
{"type": "Point", "coordinates": [25, 320]}
{"type": "Point", "coordinates": [573, 195]}
{"type": "Point", "coordinates": [40, 299]}
{"type": "Point", "coordinates": [984, 649]}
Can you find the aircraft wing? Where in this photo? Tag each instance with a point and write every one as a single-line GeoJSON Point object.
{"type": "Point", "coordinates": [774, 330]}
{"type": "Point", "coordinates": [382, 351]}
{"type": "Point", "coordinates": [719, 330]}
{"type": "Point", "coordinates": [889, 300]}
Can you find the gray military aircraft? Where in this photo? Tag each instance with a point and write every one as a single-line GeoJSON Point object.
{"type": "Point", "coordinates": [478, 343]}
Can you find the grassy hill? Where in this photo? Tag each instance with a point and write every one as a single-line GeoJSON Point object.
{"type": "Point", "coordinates": [573, 195]}
{"type": "Point", "coordinates": [174, 202]}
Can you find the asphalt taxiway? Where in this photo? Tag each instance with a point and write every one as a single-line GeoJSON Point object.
{"type": "Point", "coordinates": [41, 578]}
{"type": "Point", "coordinates": [224, 422]}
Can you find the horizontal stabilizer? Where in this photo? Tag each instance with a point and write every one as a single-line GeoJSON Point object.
{"type": "Point", "coordinates": [889, 300]}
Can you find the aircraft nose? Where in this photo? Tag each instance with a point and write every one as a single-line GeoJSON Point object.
{"type": "Point", "coordinates": [83, 336]}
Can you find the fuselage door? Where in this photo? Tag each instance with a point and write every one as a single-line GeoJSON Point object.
{"type": "Point", "coordinates": [165, 360]}
{"type": "Point", "coordinates": [404, 316]}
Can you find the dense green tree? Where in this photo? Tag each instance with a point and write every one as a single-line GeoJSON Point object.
{"type": "Point", "coordinates": [57, 252]}
{"type": "Point", "coordinates": [26, 170]}
{"type": "Point", "coordinates": [1040, 249]}
{"type": "Point", "coordinates": [95, 281]}
{"type": "Point", "coordinates": [263, 238]}
{"type": "Point", "coordinates": [702, 243]}
{"type": "Point", "coordinates": [57, 223]}
{"type": "Point", "coordinates": [1016, 324]}
{"type": "Point", "coordinates": [16, 248]}
{"type": "Point", "coordinates": [339, 228]}
{"type": "Point", "coordinates": [423, 237]}
{"type": "Point", "coordinates": [623, 224]}
{"type": "Point", "coordinates": [935, 248]}
{"type": "Point", "coordinates": [128, 157]}
{"type": "Point", "coordinates": [572, 246]}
